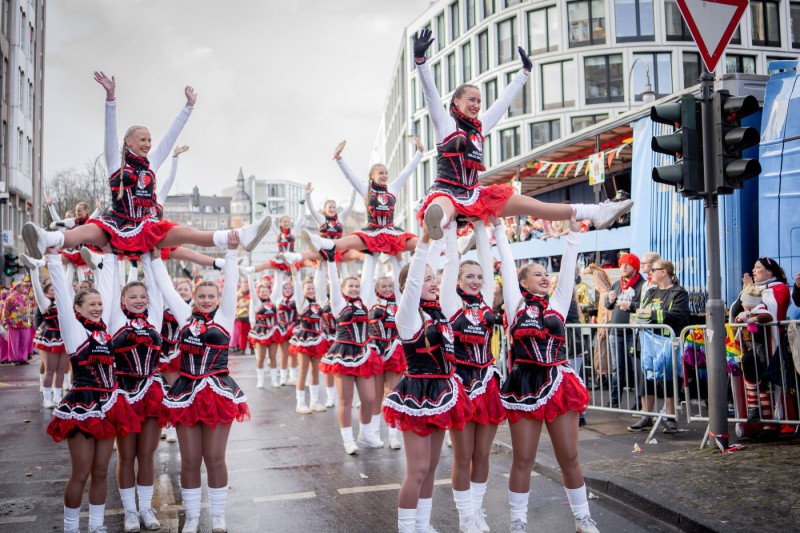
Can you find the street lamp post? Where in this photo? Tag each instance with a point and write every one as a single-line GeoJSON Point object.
{"type": "Point", "coordinates": [630, 82]}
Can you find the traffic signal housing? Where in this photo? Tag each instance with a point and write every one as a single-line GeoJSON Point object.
{"type": "Point", "coordinates": [11, 265]}
{"type": "Point", "coordinates": [731, 139]}
{"type": "Point", "coordinates": [685, 144]}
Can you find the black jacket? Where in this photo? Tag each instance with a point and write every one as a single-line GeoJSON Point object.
{"type": "Point", "coordinates": [670, 307]}
{"type": "Point", "coordinates": [620, 316]}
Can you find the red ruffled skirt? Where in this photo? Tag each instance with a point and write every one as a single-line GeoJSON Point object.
{"type": "Point", "coordinates": [351, 360]}
{"type": "Point", "coordinates": [209, 408]}
{"type": "Point", "coordinates": [395, 360]}
{"type": "Point", "coordinates": [314, 350]}
{"type": "Point", "coordinates": [166, 251]}
{"type": "Point", "coordinates": [390, 241]}
{"type": "Point", "coordinates": [117, 420]}
{"type": "Point", "coordinates": [571, 395]}
{"type": "Point", "coordinates": [399, 405]}
{"type": "Point", "coordinates": [135, 238]}
{"type": "Point", "coordinates": [482, 202]}
{"type": "Point", "coordinates": [173, 365]}
{"type": "Point", "coordinates": [488, 407]}
{"type": "Point", "coordinates": [74, 257]}
{"type": "Point", "coordinates": [150, 406]}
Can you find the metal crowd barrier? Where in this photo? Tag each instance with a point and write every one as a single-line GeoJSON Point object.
{"type": "Point", "coordinates": [774, 374]}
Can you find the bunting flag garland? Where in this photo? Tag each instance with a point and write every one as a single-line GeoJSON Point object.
{"type": "Point", "coordinates": [558, 169]}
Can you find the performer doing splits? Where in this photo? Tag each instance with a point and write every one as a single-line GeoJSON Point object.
{"type": "Point", "coordinates": [459, 137]}
{"type": "Point", "coordinates": [541, 387]}
{"type": "Point", "coordinates": [380, 235]}
{"type": "Point", "coordinates": [465, 291]}
{"type": "Point", "coordinates": [428, 399]}
{"type": "Point", "coordinates": [94, 411]}
{"type": "Point", "coordinates": [133, 223]}
{"type": "Point", "coordinates": [205, 400]}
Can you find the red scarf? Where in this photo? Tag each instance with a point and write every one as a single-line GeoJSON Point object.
{"type": "Point", "coordinates": [625, 285]}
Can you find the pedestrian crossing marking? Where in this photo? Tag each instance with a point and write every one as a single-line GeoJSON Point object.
{"type": "Point", "coordinates": [16, 519]}
{"type": "Point", "coordinates": [378, 488]}
{"type": "Point", "coordinates": [281, 497]}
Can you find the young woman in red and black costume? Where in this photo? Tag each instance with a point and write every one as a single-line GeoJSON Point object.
{"type": "Point", "coordinates": [264, 334]}
{"type": "Point", "coordinates": [135, 328]}
{"type": "Point", "coordinates": [133, 224]}
{"type": "Point", "coordinates": [287, 322]}
{"type": "Point", "coordinates": [380, 235]}
{"type": "Point", "coordinates": [541, 387]}
{"type": "Point", "coordinates": [95, 410]}
{"type": "Point", "coordinates": [459, 136]}
{"type": "Point", "coordinates": [308, 341]}
{"type": "Point", "coordinates": [169, 365]}
{"type": "Point", "coordinates": [428, 399]}
{"type": "Point", "coordinates": [351, 361]}
{"type": "Point", "coordinates": [205, 400]}
{"type": "Point", "coordinates": [466, 295]}
{"type": "Point", "coordinates": [385, 341]}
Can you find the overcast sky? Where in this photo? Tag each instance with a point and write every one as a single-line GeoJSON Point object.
{"type": "Point", "coordinates": [279, 82]}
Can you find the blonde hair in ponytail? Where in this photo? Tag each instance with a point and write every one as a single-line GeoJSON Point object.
{"type": "Point", "coordinates": [122, 153]}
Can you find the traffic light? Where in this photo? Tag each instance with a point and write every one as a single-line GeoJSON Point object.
{"type": "Point", "coordinates": [731, 138]}
{"type": "Point", "coordinates": [686, 174]}
{"type": "Point", "coordinates": [11, 265]}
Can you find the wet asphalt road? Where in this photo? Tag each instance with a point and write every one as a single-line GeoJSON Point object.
{"type": "Point", "coordinates": [286, 473]}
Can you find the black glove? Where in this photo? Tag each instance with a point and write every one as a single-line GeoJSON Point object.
{"type": "Point", "coordinates": [422, 41]}
{"type": "Point", "coordinates": [527, 64]}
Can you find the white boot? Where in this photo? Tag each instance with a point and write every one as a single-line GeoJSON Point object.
{"type": "Point", "coordinates": [30, 263]}
{"type": "Point", "coordinates": [604, 214]}
{"type": "Point", "coordinates": [289, 258]}
{"type": "Point", "coordinates": [259, 378]}
{"type": "Point", "coordinates": [38, 240]}
{"type": "Point", "coordinates": [368, 438]}
{"type": "Point", "coordinates": [435, 221]}
{"type": "Point", "coordinates": [92, 260]}
{"type": "Point", "coordinates": [315, 242]}
{"type": "Point", "coordinates": [273, 374]}
{"type": "Point", "coordinates": [251, 235]}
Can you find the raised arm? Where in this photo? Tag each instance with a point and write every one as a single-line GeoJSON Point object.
{"type": "Point", "coordinates": [398, 183]}
{"type": "Point", "coordinates": [159, 155]}
{"type": "Point", "coordinates": [484, 251]}
{"type": "Point", "coordinates": [511, 292]}
{"type": "Point", "coordinates": [407, 318]}
{"type": "Point", "coordinates": [344, 213]}
{"type": "Point", "coordinates": [255, 302]}
{"type": "Point", "coordinates": [300, 221]}
{"type": "Point", "coordinates": [492, 116]}
{"type": "Point", "coordinates": [443, 123]}
{"type": "Point", "coordinates": [72, 331]}
{"type": "Point", "coordinates": [111, 144]}
{"type": "Point", "coordinates": [448, 297]}
{"type": "Point", "coordinates": [562, 297]}
{"type": "Point", "coordinates": [167, 184]}
{"type": "Point", "coordinates": [155, 302]}
{"type": "Point", "coordinates": [358, 185]}
{"type": "Point", "coordinates": [227, 304]}
{"type": "Point", "coordinates": [337, 300]}
{"type": "Point", "coordinates": [53, 213]}
{"type": "Point", "coordinates": [299, 300]}
{"type": "Point", "coordinates": [277, 287]}
{"type": "Point", "coordinates": [321, 285]}
{"type": "Point", "coordinates": [367, 292]}
{"type": "Point", "coordinates": [318, 217]}
{"type": "Point", "coordinates": [42, 302]}
{"type": "Point", "coordinates": [110, 293]}
{"type": "Point", "coordinates": [179, 309]}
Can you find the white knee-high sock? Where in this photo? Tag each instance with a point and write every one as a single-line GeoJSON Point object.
{"type": "Point", "coordinates": [405, 520]}
{"type": "Point", "coordinates": [47, 393]}
{"type": "Point", "coordinates": [578, 501]}
{"type": "Point", "coordinates": [463, 503]}
{"type": "Point", "coordinates": [260, 374]}
{"type": "Point", "coordinates": [128, 497]}
{"type": "Point", "coordinates": [314, 393]}
{"type": "Point", "coordinates": [220, 238]}
{"type": "Point", "coordinates": [191, 502]}
{"type": "Point", "coordinates": [97, 514]}
{"type": "Point", "coordinates": [273, 373]}
{"type": "Point", "coordinates": [476, 494]}
{"type": "Point", "coordinates": [216, 500]}
{"type": "Point", "coordinates": [72, 518]}
{"type": "Point", "coordinates": [145, 493]}
{"type": "Point", "coordinates": [518, 501]}
{"type": "Point", "coordinates": [584, 211]}
{"type": "Point", "coordinates": [423, 518]}
{"type": "Point", "coordinates": [347, 434]}
{"type": "Point", "coordinates": [300, 395]}
{"type": "Point", "coordinates": [331, 393]}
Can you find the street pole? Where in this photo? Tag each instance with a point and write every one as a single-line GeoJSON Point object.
{"type": "Point", "coordinates": [715, 309]}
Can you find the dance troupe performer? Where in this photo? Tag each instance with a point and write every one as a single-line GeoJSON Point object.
{"type": "Point", "coordinates": [264, 334]}
{"type": "Point", "coordinates": [95, 410]}
{"type": "Point", "coordinates": [380, 235]}
{"type": "Point", "coordinates": [48, 335]}
{"type": "Point", "coordinates": [351, 361]}
{"type": "Point", "coordinates": [459, 137]}
{"type": "Point", "coordinates": [133, 224]}
{"type": "Point", "coordinates": [428, 399]}
{"type": "Point", "coordinates": [287, 321]}
{"type": "Point", "coordinates": [308, 341]}
{"type": "Point", "coordinates": [466, 293]}
{"type": "Point", "coordinates": [204, 401]}
{"type": "Point", "coordinates": [541, 387]}
{"type": "Point", "coordinates": [135, 329]}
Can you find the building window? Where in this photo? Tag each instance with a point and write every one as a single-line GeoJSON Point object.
{"type": "Point", "coordinates": [509, 143]}
{"type": "Point", "coordinates": [519, 106]}
{"type": "Point", "coordinates": [469, 13]}
{"type": "Point", "coordinates": [691, 69]}
{"type": "Point", "coordinates": [452, 77]}
{"type": "Point", "coordinates": [437, 75]}
{"type": "Point", "coordinates": [490, 93]}
{"type": "Point", "coordinates": [466, 62]}
{"type": "Point", "coordinates": [660, 68]}
{"type": "Point", "coordinates": [417, 128]}
{"type": "Point", "coordinates": [766, 25]}
{"type": "Point", "coordinates": [604, 79]}
{"type": "Point", "coordinates": [441, 37]}
{"type": "Point", "coordinates": [795, 14]}
{"type": "Point", "coordinates": [506, 40]}
{"type": "Point", "coordinates": [509, 3]}
{"type": "Point", "coordinates": [634, 20]}
{"type": "Point", "coordinates": [676, 28]}
{"type": "Point", "coordinates": [559, 89]}
{"type": "Point", "coordinates": [741, 64]}
{"type": "Point", "coordinates": [587, 22]}
{"type": "Point", "coordinates": [455, 22]}
{"type": "Point", "coordinates": [543, 35]}
{"type": "Point", "coordinates": [488, 8]}
{"type": "Point", "coordinates": [19, 149]}
{"type": "Point", "coordinates": [483, 51]}
{"type": "Point", "coordinates": [545, 132]}
{"type": "Point", "coordinates": [579, 123]}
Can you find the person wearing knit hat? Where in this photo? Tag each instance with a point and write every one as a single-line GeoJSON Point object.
{"type": "Point", "coordinates": [623, 298]}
